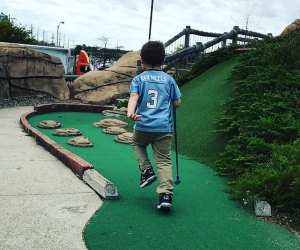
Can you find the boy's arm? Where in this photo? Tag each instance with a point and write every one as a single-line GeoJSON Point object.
{"type": "Point", "coordinates": [133, 99]}
{"type": "Point", "coordinates": [176, 103]}
{"type": "Point", "coordinates": [175, 94]}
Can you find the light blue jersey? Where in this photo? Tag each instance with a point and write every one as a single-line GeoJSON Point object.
{"type": "Point", "coordinates": [156, 91]}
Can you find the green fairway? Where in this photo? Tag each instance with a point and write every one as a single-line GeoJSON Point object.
{"type": "Point", "coordinates": [202, 105]}
{"type": "Point", "coordinates": [202, 215]}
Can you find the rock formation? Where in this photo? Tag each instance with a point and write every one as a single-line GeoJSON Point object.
{"type": "Point", "coordinates": [294, 25]}
{"type": "Point", "coordinates": [24, 71]}
{"type": "Point", "coordinates": [105, 86]}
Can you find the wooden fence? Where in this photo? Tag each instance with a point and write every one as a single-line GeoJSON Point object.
{"type": "Point", "coordinates": [188, 46]}
{"type": "Point", "coordinates": [180, 48]}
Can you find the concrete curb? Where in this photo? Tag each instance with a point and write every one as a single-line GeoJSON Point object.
{"type": "Point", "coordinates": [79, 166]}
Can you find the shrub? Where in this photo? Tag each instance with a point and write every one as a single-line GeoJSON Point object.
{"type": "Point", "coordinates": [263, 121]}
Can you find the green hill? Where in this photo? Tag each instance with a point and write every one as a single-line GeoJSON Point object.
{"type": "Point", "coordinates": [259, 126]}
{"type": "Point", "coordinates": [203, 216]}
{"type": "Point", "coordinates": [262, 120]}
{"type": "Point", "coordinates": [202, 105]}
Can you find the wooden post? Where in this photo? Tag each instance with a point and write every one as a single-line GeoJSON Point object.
{"type": "Point", "coordinates": [234, 38]}
{"type": "Point", "coordinates": [187, 37]}
{"type": "Point", "coordinates": [198, 54]}
{"type": "Point", "coordinates": [224, 42]}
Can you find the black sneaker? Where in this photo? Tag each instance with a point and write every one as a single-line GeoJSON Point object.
{"type": "Point", "coordinates": [147, 177]}
{"type": "Point", "coordinates": [165, 202]}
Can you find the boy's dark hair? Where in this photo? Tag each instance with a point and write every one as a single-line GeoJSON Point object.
{"type": "Point", "coordinates": [153, 53]}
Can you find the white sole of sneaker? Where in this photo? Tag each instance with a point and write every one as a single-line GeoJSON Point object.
{"type": "Point", "coordinates": [148, 181]}
{"type": "Point", "coordinates": [164, 207]}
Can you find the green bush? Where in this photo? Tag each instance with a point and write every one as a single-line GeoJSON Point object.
{"type": "Point", "coordinates": [122, 104]}
{"type": "Point", "coordinates": [278, 181]}
{"type": "Point", "coordinates": [263, 121]}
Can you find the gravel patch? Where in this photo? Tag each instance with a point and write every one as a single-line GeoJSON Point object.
{"type": "Point", "coordinates": [32, 101]}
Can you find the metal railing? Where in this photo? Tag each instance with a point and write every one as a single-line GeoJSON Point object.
{"type": "Point", "coordinates": [189, 45]}
{"type": "Point", "coordinates": [179, 47]}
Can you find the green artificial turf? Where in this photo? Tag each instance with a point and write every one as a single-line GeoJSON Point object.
{"type": "Point", "coordinates": [202, 104]}
{"type": "Point", "coordinates": [202, 216]}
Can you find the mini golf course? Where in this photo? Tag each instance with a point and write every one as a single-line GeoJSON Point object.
{"type": "Point", "coordinates": [202, 215]}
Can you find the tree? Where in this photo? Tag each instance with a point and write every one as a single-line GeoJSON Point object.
{"type": "Point", "coordinates": [104, 40]}
{"type": "Point", "coordinates": [12, 33]}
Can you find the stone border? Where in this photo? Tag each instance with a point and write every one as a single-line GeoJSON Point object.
{"type": "Point", "coordinates": [79, 166]}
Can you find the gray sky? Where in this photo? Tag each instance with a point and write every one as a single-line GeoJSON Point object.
{"type": "Point", "coordinates": [126, 22]}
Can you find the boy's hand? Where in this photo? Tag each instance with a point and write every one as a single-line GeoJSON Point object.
{"type": "Point", "coordinates": [135, 117]}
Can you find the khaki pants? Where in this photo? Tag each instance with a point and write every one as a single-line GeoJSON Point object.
{"type": "Point", "coordinates": [161, 146]}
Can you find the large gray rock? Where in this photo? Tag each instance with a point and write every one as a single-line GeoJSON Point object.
{"type": "Point", "coordinates": [105, 86]}
{"type": "Point", "coordinates": [24, 71]}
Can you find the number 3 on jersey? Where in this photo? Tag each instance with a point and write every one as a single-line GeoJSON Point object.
{"type": "Point", "coordinates": [154, 94]}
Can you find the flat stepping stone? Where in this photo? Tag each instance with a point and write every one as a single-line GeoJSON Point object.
{"type": "Point", "coordinates": [49, 124]}
{"type": "Point", "coordinates": [123, 109]}
{"type": "Point", "coordinates": [110, 123]}
{"type": "Point", "coordinates": [115, 113]}
{"type": "Point", "coordinates": [66, 132]}
{"type": "Point", "coordinates": [125, 138]}
{"type": "Point", "coordinates": [114, 130]}
{"type": "Point", "coordinates": [80, 141]}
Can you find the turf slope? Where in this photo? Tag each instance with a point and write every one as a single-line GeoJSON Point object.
{"type": "Point", "coordinates": [202, 215]}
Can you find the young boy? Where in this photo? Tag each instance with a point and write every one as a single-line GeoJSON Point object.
{"type": "Point", "coordinates": [152, 95]}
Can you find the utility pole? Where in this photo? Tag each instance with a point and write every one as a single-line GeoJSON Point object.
{"type": "Point", "coordinates": [150, 25]}
{"type": "Point", "coordinates": [37, 34]}
{"type": "Point", "coordinates": [31, 30]}
{"type": "Point", "coordinates": [52, 39]}
{"type": "Point", "coordinates": [57, 34]}
{"type": "Point", "coordinates": [44, 36]}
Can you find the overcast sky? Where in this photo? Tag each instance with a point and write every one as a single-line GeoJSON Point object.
{"type": "Point", "coordinates": [126, 22]}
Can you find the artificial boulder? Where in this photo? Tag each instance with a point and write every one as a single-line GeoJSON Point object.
{"type": "Point", "coordinates": [114, 130]}
{"type": "Point", "coordinates": [293, 26]}
{"type": "Point", "coordinates": [80, 141]}
{"type": "Point", "coordinates": [66, 132]}
{"type": "Point", "coordinates": [121, 112]}
{"type": "Point", "coordinates": [126, 138]}
{"type": "Point", "coordinates": [24, 71]}
{"type": "Point", "coordinates": [110, 123]}
{"type": "Point", "coordinates": [49, 124]}
{"type": "Point", "coordinates": [105, 86]}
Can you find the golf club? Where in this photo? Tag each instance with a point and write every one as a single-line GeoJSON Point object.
{"type": "Point", "coordinates": [176, 148]}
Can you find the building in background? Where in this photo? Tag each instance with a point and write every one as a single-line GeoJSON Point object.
{"type": "Point", "coordinates": [3, 17]}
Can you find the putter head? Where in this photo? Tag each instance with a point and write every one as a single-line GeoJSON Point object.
{"type": "Point", "coordinates": [177, 180]}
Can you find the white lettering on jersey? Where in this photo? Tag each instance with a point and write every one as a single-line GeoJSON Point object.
{"type": "Point", "coordinates": [156, 78]}
{"type": "Point", "coordinates": [154, 95]}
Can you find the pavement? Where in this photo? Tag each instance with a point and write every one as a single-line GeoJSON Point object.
{"type": "Point", "coordinates": [43, 204]}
